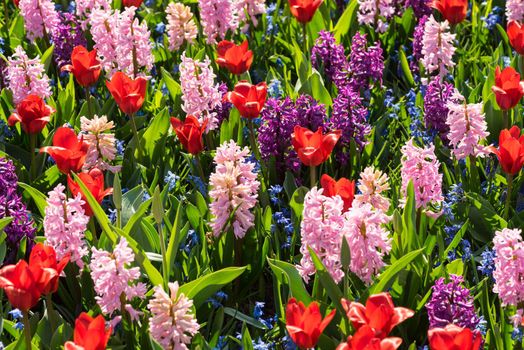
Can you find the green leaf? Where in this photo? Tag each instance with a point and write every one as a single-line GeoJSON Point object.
{"type": "Point", "coordinates": [244, 318]}
{"type": "Point", "coordinates": [297, 201]}
{"type": "Point", "coordinates": [172, 86]}
{"type": "Point", "coordinates": [345, 21]}
{"type": "Point", "coordinates": [4, 222]}
{"type": "Point", "coordinates": [405, 67]}
{"type": "Point", "coordinates": [38, 197]}
{"type": "Point", "coordinates": [287, 274]}
{"type": "Point", "coordinates": [386, 277]}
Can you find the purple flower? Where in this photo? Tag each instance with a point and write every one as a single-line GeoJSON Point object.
{"type": "Point", "coordinates": [11, 205]}
{"type": "Point", "coordinates": [329, 55]}
{"type": "Point", "coordinates": [451, 303]}
{"type": "Point", "coordinates": [435, 108]}
{"type": "Point", "coordinates": [67, 35]}
{"type": "Point", "coordinates": [420, 7]}
{"type": "Point", "coordinates": [222, 109]}
{"type": "Point", "coordinates": [418, 34]}
{"type": "Point", "coordinates": [310, 113]}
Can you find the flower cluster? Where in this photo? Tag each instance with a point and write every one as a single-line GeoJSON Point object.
{"type": "Point", "coordinates": [84, 8]}
{"type": "Point", "coordinates": [376, 13]}
{"type": "Point", "coordinates": [437, 96]}
{"type": "Point", "coordinates": [180, 25]}
{"type": "Point", "coordinates": [102, 145]}
{"type": "Point", "coordinates": [326, 54]}
{"type": "Point", "coordinates": [217, 18]}
{"type": "Point", "coordinates": [66, 37]}
{"type": "Point", "coordinates": [40, 18]}
{"type": "Point", "coordinates": [371, 184]}
{"type": "Point", "coordinates": [515, 10]}
{"type": "Point", "coordinates": [509, 266]}
{"type": "Point", "coordinates": [437, 47]}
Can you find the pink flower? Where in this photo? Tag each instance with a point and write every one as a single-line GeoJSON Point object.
{"type": "Point", "coordinates": [467, 127]}
{"type": "Point", "coordinates": [321, 230]}
{"type": "Point", "coordinates": [367, 239]}
{"type": "Point", "coordinates": [371, 184]}
{"type": "Point", "coordinates": [84, 8]}
{"type": "Point", "coordinates": [172, 323]}
{"type": "Point", "coordinates": [199, 92]}
{"type": "Point", "coordinates": [509, 266]}
{"type": "Point", "coordinates": [437, 47]}
{"type": "Point", "coordinates": [515, 10]}
{"type": "Point", "coordinates": [113, 277]}
{"type": "Point", "coordinates": [40, 18]}
{"type": "Point", "coordinates": [65, 224]}
{"type": "Point", "coordinates": [234, 189]}
{"type": "Point", "coordinates": [180, 25]}
{"type": "Point", "coordinates": [420, 165]}
{"type": "Point", "coordinates": [26, 76]}
{"type": "Point", "coordinates": [376, 13]}
{"type": "Point", "coordinates": [102, 145]}
{"type": "Point", "coordinates": [217, 18]}
{"type": "Point", "coordinates": [248, 10]}
{"type": "Point", "coordinates": [103, 23]}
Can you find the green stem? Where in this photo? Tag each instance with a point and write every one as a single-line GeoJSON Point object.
{"type": "Point", "coordinates": [508, 197]}
{"type": "Point", "coordinates": [199, 168]}
{"type": "Point", "coordinates": [50, 311]}
{"type": "Point", "coordinates": [27, 330]}
{"type": "Point", "coordinates": [312, 176]}
{"type": "Point", "coordinates": [135, 132]}
{"type": "Point", "coordinates": [164, 255]}
{"type": "Point", "coordinates": [505, 118]}
{"type": "Point", "coordinates": [304, 39]}
{"type": "Point", "coordinates": [6, 14]}
{"type": "Point", "coordinates": [522, 64]}
{"type": "Point", "coordinates": [88, 100]}
{"type": "Point", "coordinates": [92, 228]}
{"type": "Point", "coordinates": [32, 147]}
{"type": "Point", "coordinates": [253, 139]}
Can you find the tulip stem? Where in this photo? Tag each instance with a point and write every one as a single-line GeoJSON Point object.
{"type": "Point", "coordinates": [165, 272]}
{"type": "Point", "coordinates": [50, 311]}
{"type": "Point", "coordinates": [312, 175]}
{"type": "Point", "coordinates": [508, 196]}
{"type": "Point", "coordinates": [88, 100]}
{"type": "Point", "coordinates": [135, 132]}
{"type": "Point", "coordinates": [256, 151]}
{"type": "Point", "coordinates": [505, 114]}
{"type": "Point", "coordinates": [304, 39]}
{"type": "Point", "coordinates": [199, 167]}
{"type": "Point", "coordinates": [522, 64]}
{"type": "Point", "coordinates": [32, 146]}
{"type": "Point", "coordinates": [27, 330]}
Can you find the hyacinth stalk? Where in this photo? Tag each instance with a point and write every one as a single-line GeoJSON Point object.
{"type": "Point", "coordinates": [158, 214]}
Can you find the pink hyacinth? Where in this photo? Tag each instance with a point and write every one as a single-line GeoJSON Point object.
{"type": "Point", "coordinates": [26, 76]}
{"type": "Point", "coordinates": [467, 127]}
{"type": "Point", "coordinates": [234, 187]}
{"type": "Point", "coordinates": [84, 8]}
{"type": "Point", "coordinates": [200, 94]}
{"type": "Point", "coordinates": [103, 24]}
{"type": "Point", "coordinates": [509, 266]}
{"type": "Point", "coordinates": [113, 277]}
{"type": "Point", "coordinates": [321, 230]}
{"type": "Point", "coordinates": [376, 13]}
{"type": "Point", "coordinates": [248, 10]}
{"type": "Point", "coordinates": [40, 18]}
{"type": "Point", "coordinates": [172, 324]}
{"type": "Point", "coordinates": [371, 185]}
{"type": "Point", "coordinates": [180, 25]}
{"type": "Point", "coordinates": [368, 240]}
{"type": "Point", "coordinates": [437, 47]}
{"type": "Point", "coordinates": [515, 10]}
{"type": "Point", "coordinates": [102, 145]}
{"type": "Point", "coordinates": [217, 18]}
{"type": "Point", "coordinates": [65, 224]}
{"type": "Point", "coordinates": [420, 165]}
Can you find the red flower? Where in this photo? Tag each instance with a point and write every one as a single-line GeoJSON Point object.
{"type": "Point", "coordinates": [94, 181]}
{"type": "Point", "coordinates": [305, 325]}
{"type": "Point", "coordinates": [454, 338]}
{"type": "Point", "coordinates": [32, 113]}
{"type": "Point", "coordinates": [343, 187]}
{"type": "Point", "coordinates": [365, 339]}
{"type": "Point", "coordinates": [454, 11]}
{"type": "Point", "coordinates": [45, 257]}
{"type": "Point", "coordinates": [22, 283]}
{"type": "Point", "coordinates": [313, 148]}
{"type": "Point", "coordinates": [129, 3]}
{"type": "Point", "coordinates": [515, 32]}
{"type": "Point", "coordinates": [85, 66]}
{"type": "Point", "coordinates": [128, 93]}
{"type": "Point", "coordinates": [236, 58]}
{"type": "Point", "coordinates": [508, 88]}
{"type": "Point", "coordinates": [189, 133]}
{"type": "Point", "coordinates": [90, 333]}
{"type": "Point", "coordinates": [511, 150]}
{"type": "Point", "coordinates": [304, 10]}
{"type": "Point", "coordinates": [379, 313]}
{"type": "Point", "coordinates": [68, 151]}
{"type": "Point", "coordinates": [248, 99]}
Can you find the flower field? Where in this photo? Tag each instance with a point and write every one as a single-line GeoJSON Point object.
{"type": "Point", "coordinates": [261, 174]}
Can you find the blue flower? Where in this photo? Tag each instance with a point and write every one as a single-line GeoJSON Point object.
{"type": "Point", "coordinates": [192, 240]}
{"type": "Point", "coordinates": [145, 196]}
{"type": "Point", "coordinates": [275, 88]}
{"type": "Point", "coordinates": [261, 345]}
{"type": "Point", "coordinates": [15, 314]}
{"type": "Point", "coordinates": [258, 311]}
{"type": "Point", "coordinates": [160, 28]}
{"type": "Point", "coordinates": [487, 263]}
{"type": "Point", "coordinates": [120, 147]}
{"type": "Point", "coordinates": [170, 180]}
{"type": "Point", "coordinates": [466, 250]}
{"type": "Point", "coordinates": [19, 326]}
{"type": "Point", "coordinates": [112, 215]}
{"type": "Point", "coordinates": [493, 18]}
{"type": "Point", "coordinates": [201, 187]}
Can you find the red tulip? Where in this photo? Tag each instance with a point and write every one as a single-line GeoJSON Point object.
{"type": "Point", "coordinates": [365, 339]}
{"type": "Point", "coordinates": [304, 10]}
{"type": "Point", "coordinates": [305, 325]}
{"type": "Point", "coordinates": [511, 150]}
{"type": "Point", "coordinates": [248, 99]}
{"type": "Point", "coordinates": [454, 338]}
{"type": "Point", "coordinates": [68, 151]}
{"type": "Point", "coordinates": [379, 313]}
{"type": "Point", "coordinates": [22, 283]}
{"type": "Point", "coordinates": [515, 32]}
{"type": "Point", "coordinates": [508, 88]}
{"type": "Point", "coordinates": [85, 66]}
{"type": "Point", "coordinates": [129, 3]}
{"type": "Point", "coordinates": [343, 187]}
{"type": "Point", "coordinates": [45, 257]}
{"type": "Point", "coordinates": [128, 93]}
{"type": "Point", "coordinates": [90, 333]}
{"type": "Point", "coordinates": [189, 133]}
{"type": "Point", "coordinates": [94, 181]}
{"type": "Point", "coordinates": [313, 148]}
{"type": "Point", "coordinates": [236, 58]}
{"type": "Point", "coordinates": [454, 11]}
{"type": "Point", "coordinates": [32, 113]}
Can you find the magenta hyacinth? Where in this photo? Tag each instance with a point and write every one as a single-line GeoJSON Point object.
{"type": "Point", "coordinates": [437, 96]}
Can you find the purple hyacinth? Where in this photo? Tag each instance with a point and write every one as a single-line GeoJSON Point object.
{"type": "Point", "coordinates": [67, 35]}
{"type": "Point", "coordinates": [222, 109]}
{"type": "Point", "coordinates": [418, 34]}
{"type": "Point", "coordinates": [310, 113]}
{"type": "Point", "coordinates": [420, 7]}
{"type": "Point", "coordinates": [435, 109]}
{"type": "Point", "coordinates": [350, 116]}
{"type": "Point", "coordinates": [451, 303]}
{"type": "Point", "coordinates": [11, 205]}
{"type": "Point", "coordinates": [329, 55]}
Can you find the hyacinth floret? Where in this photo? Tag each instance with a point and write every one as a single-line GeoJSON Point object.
{"type": "Point", "coordinates": [437, 47]}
